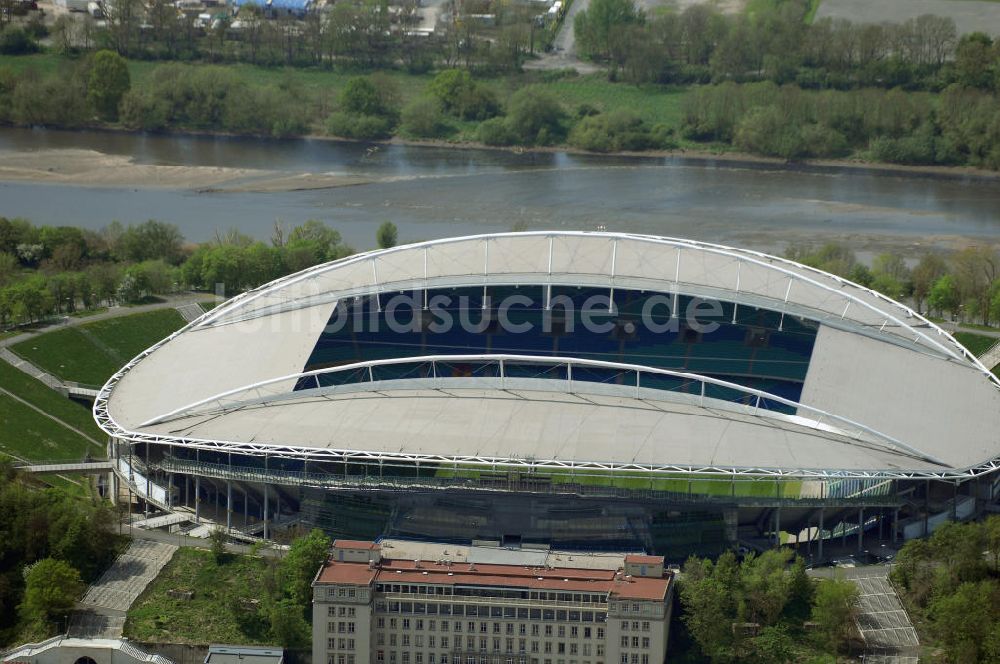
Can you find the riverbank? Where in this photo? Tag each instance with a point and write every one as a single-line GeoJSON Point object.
{"type": "Point", "coordinates": [92, 168]}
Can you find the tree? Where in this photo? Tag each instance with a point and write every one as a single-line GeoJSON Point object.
{"type": "Point", "coordinates": [928, 269]}
{"type": "Point", "coordinates": [835, 610]}
{"type": "Point", "coordinates": [991, 527]}
{"type": "Point", "coordinates": [595, 25]}
{"type": "Point", "coordinates": [964, 620]}
{"type": "Point", "coordinates": [386, 235]}
{"type": "Point", "coordinates": [288, 627]}
{"type": "Point", "coordinates": [535, 117]}
{"type": "Point", "coordinates": [943, 295]}
{"type": "Point", "coordinates": [298, 568]}
{"type": "Point", "coordinates": [423, 117]}
{"type": "Point", "coordinates": [218, 545]}
{"type": "Point", "coordinates": [107, 83]}
{"type": "Point", "coordinates": [51, 589]}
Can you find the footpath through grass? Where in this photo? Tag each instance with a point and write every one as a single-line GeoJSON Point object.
{"type": "Point", "coordinates": [93, 352]}
{"type": "Point", "coordinates": [222, 609]}
{"type": "Point", "coordinates": [28, 434]}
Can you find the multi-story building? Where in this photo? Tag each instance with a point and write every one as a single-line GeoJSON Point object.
{"type": "Point", "coordinates": [416, 603]}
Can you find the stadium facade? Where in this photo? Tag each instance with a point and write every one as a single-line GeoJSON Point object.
{"type": "Point", "coordinates": [597, 390]}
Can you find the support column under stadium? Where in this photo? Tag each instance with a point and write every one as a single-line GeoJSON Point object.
{"type": "Point", "coordinates": [861, 528]}
{"type": "Point", "coordinates": [265, 511]}
{"type": "Point", "coordinates": [819, 533]}
{"type": "Point", "coordinates": [229, 505]}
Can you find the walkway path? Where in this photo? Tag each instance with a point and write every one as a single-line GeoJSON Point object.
{"type": "Point", "coordinates": [101, 612]}
{"type": "Point", "coordinates": [991, 357]}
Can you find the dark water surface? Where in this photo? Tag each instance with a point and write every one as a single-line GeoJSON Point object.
{"type": "Point", "coordinates": [434, 192]}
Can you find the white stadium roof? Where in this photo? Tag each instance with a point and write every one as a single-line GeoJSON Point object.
{"type": "Point", "coordinates": [887, 393]}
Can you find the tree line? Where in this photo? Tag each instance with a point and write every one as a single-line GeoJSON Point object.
{"type": "Point", "coordinates": [48, 270]}
{"type": "Point", "coordinates": [950, 582]}
{"type": "Point", "coordinates": [356, 33]}
{"type": "Point", "coordinates": [53, 543]}
{"type": "Point", "coordinates": [959, 126]}
{"type": "Point", "coordinates": [779, 44]}
{"type": "Point", "coordinates": [964, 284]}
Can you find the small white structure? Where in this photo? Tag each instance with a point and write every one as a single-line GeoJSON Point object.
{"type": "Point", "coordinates": [65, 650]}
{"type": "Point", "coordinates": [73, 5]}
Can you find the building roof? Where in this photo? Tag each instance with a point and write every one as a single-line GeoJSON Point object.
{"type": "Point", "coordinates": [234, 654]}
{"type": "Point", "coordinates": [355, 544]}
{"type": "Point", "coordinates": [885, 395]}
{"type": "Point", "coordinates": [637, 559]}
{"type": "Point", "coordinates": [565, 579]}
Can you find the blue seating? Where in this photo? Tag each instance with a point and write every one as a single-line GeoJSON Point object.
{"type": "Point", "coordinates": [753, 351]}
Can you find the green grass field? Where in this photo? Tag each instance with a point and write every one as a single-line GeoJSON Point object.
{"type": "Point", "coordinates": [27, 434]}
{"type": "Point", "coordinates": [707, 486]}
{"type": "Point", "coordinates": [40, 395]}
{"type": "Point", "coordinates": [91, 353]}
{"type": "Point", "coordinates": [976, 343]}
{"type": "Point", "coordinates": [214, 614]}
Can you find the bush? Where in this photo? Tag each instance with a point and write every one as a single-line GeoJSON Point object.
{"type": "Point", "coordinates": [495, 132]}
{"type": "Point", "coordinates": [424, 117]}
{"type": "Point", "coordinates": [15, 41]}
{"type": "Point", "coordinates": [348, 125]}
{"type": "Point", "coordinates": [535, 117]}
{"type": "Point", "coordinates": [372, 95]}
{"type": "Point", "coordinates": [462, 96]}
{"type": "Point", "coordinates": [618, 130]}
{"type": "Point", "coordinates": [139, 110]}
{"type": "Point", "coordinates": [916, 149]}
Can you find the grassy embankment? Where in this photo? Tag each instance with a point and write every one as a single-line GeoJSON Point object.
{"type": "Point", "coordinates": [93, 352]}
{"type": "Point", "coordinates": [58, 429]}
{"type": "Point", "coordinates": [27, 433]}
{"type": "Point", "coordinates": [214, 614]}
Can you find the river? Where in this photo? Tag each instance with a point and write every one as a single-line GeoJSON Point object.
{"type": "Point", "coordinates": [435, 192]}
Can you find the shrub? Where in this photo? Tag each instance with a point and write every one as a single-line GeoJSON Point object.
{"type": "Point", "coordinates": [618, 130]}
{"type": "Point", "coordinates": [462, 96]}
{"type": "Point", "coordinates": [535, 117]}
{"type": "Point", "coordinates": [349, 125]}
{"type": "Point", "coordinates": [15, 41]}
{"type": "Point", "coordinates": [140, 110]}
{"type": "Point", "coordinates": [424, 117]}
{"type": "Point", "coordinates": [495, 132]}
{"type": "Point", "coordinates": [372, 95]}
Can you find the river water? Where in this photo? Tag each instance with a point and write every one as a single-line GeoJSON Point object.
{"type": "Point", "coordinates": [436, 192]}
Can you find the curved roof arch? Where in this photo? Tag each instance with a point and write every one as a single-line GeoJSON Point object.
{"type": "Point", "coordinates": [877, 365]}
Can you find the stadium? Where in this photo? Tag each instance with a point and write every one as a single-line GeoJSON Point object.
{"type": "Point", "coordinates": [580, 390]}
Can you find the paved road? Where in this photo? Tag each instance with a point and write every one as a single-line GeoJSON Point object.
{"type": "Point", "coordinates": [952, 327]}
{"type": "Point", "coordinates": [563, 55]}
{"type": "Point", "coordinates": [170, 302]}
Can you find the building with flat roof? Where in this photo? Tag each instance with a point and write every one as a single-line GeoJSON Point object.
{"type": "Point", "coordinates": [371, 607]}
{"type": "Point", "coordinates": [225, 654]}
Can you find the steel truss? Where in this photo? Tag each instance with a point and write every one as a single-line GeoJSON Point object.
{"type": "Point", "coordinates": [793, 271]}
{"type": "Point", "coordinates": [941, 343]}
{"type": "Point", "coordinates": [224, 402]}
